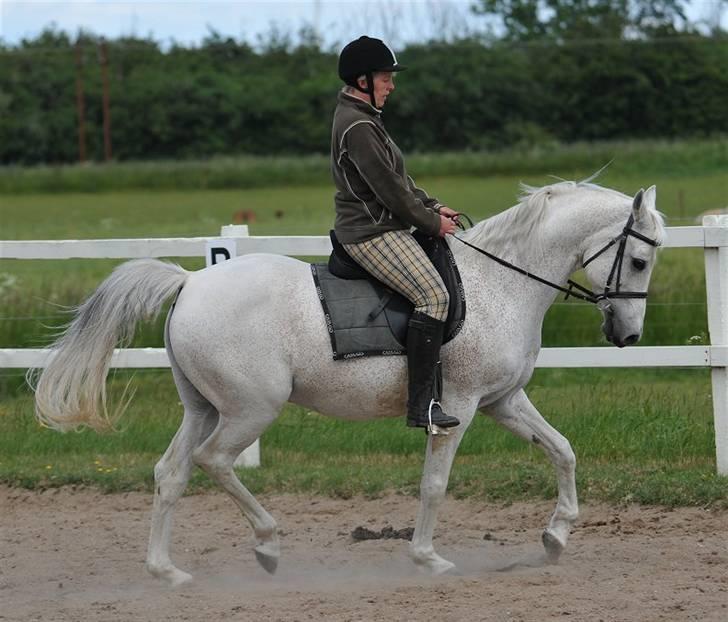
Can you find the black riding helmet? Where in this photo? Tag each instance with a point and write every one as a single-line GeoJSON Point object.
{"type": "Point", "coordinates": [364, 56]}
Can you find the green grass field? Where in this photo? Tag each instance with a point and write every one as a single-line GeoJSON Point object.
{"type": "Point", "coordinates": [660, 157]}
{"type": "Point", "coordinates": [33, 290]}
{"type": "Point", "coordinates": [643, 435]}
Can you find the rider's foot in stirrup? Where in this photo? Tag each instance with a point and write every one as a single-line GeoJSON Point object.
{"type": "Point", "coordinates": [435, 417]}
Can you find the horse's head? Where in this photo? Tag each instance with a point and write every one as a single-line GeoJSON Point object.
{"type": "Point", "coordinates": [619, 263]}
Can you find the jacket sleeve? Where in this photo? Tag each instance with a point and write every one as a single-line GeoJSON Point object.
{"type": "Point", "coordinates": [367, 151]}
{"type": "Point", "coordinates": [428, 201]}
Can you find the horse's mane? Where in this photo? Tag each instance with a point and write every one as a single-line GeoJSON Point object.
{"type": "Point", "coordinates": [507, 231]}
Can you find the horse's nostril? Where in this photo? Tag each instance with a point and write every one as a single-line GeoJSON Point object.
{"type": "Point", "coordinates": [631, 340]}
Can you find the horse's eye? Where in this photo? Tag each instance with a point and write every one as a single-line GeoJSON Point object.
{"type": "Point", "coordinates": [639, 264]}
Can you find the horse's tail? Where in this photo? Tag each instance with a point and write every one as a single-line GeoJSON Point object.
{"type": "Point", "coordinates": [71, 391]}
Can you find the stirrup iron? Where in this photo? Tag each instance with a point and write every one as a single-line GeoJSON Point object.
{"type": "Point", "coordinates": [436, 430]}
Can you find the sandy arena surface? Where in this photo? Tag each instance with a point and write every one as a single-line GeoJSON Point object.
{"type": "Point", "coordinates": [79, 555]}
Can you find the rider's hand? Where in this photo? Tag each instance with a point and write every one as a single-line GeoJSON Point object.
{"type": "Point", "coordinates": [447, 226]}
{"type": "Point", "coordinates": [449, 213]}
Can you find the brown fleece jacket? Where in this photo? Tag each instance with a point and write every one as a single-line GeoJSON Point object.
{"type": "Point", "coordinates": [374, 194]}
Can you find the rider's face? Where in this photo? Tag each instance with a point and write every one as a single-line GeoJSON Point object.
{"type": "Point", "coordinates": [383, 86]}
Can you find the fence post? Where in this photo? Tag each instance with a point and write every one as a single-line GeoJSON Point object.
{"type": "Point", "coordinates": [226, 249]}
{"type": "Point", "coordinates": [716, 281]}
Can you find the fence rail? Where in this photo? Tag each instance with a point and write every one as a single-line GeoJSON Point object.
{"type": "Point", "coordinates": [644, 356]}
{"type": "Point", "coordinates": [134, 248]}
{"type": "Point", "coordinates": [712, 237]}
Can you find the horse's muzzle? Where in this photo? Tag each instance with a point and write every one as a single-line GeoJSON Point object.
{"type": "Point", "coordinates": [608, 330]}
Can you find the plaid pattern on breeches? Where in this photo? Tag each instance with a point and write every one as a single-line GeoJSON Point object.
{"type": "Point", "coordinates": [398, 261]}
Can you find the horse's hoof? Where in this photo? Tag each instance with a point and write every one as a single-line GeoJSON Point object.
{"type": "Point", "coordinates": [437, 567]}
{"type": "Point", "coordinates": [172, 576]}
{"type": "Point", "coordinates": [443, 567]}
{"type": "Point", "coordinates": [180, 578]}
{"type": "Point", "coordinates": [453, 571]}
{"type": "Point", "coordinates": [267, 559]}
{"type": "Point", "coordinates": [553, 547]}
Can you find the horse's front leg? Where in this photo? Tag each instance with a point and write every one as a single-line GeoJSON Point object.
{"type": "Point", "coordinates": [521, 417]}
{"type": "Point", "coordinates": [438, 462]}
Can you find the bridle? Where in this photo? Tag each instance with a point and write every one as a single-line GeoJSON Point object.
{"type": "Point", "coordinates": [615, 274]}
{"type": "Point", "coordinates": [617, 264]}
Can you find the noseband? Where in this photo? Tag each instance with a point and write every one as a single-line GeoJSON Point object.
{"type": "Point", "coordinates": [584, 293]}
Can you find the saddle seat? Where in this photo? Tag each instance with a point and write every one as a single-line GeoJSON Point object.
{"type": "Point", "coordinates": [364, 317]}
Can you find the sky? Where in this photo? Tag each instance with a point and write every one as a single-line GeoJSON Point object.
{"type": "Point", "coordinates": [189, 21]}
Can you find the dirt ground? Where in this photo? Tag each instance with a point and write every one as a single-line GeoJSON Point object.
{"type": "Point", "coordinates": [78, 555]}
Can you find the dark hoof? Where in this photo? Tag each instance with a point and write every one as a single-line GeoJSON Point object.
{"type": "Point", "coordinates": [553, 547]}
{"type": "Point", "coordinates": [269, 562]}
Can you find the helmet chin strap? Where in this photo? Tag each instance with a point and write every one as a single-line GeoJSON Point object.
{"type": "Point", "coordinates": [369, 90]}
{"type": "Point", "coordinates": [370, 86]}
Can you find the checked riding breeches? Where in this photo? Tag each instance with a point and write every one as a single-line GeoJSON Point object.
{"type": "Point", "coordinates": [398, 261]}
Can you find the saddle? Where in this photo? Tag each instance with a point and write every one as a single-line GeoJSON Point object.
{"type": "Point", "coordinates": [364, 317]}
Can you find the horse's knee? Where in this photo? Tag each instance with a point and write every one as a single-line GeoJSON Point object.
{"type": "Point", "coordinates": [169, 483]}
{"type": "Point", "coordinates": [206, 460]}
{"type": "Point", "coordinates": [566, 458]}
{"type": "Point", "coordinates": [217, 464]}
{"type": "Point", "coordinates": [432, 488]}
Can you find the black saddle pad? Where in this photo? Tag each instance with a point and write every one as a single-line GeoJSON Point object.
{"type": "Point", "coordinates": [366, 318]}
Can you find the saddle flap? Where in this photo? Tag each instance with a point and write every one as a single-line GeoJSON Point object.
{"type": "Point", "coordinates": [353, 300]}
{"type": "Point", "coordinates": [347, 306]}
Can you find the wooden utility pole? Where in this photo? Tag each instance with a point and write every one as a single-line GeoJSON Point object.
{"type": "Point", "coordinates": [80, 105]}
{"type": "Point", "coordinates": [103, 57]}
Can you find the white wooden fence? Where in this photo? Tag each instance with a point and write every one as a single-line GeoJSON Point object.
{"type": "Point", "coordinates": [712, 237]}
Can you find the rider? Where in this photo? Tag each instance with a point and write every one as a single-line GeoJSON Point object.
{"type": "Point", "coordinates": [376, 205]}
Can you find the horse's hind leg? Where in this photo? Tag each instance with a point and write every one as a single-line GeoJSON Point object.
{"type": "Point", "coordinates": [171, 475]}
{"type": "Point", "coordinates": [521, 417]}
{"type": "Point", "coordinates": [234, 433]}
{"type": "Point", "coordinates": [172, 472]}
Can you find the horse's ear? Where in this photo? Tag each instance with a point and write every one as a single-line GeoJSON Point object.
{"type": "Point", "coordinates": [643, 201]}
{"type": "Point", "coordinates": [637, 202]}
{"type": "Point", "coordinates": [650, 199]}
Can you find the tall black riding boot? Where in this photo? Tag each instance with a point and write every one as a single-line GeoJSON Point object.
{"type": "Point", "coordinates": [424, 338]}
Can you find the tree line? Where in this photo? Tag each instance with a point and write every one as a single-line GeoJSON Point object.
{"type": "Point", "coordinates": [527, 87]}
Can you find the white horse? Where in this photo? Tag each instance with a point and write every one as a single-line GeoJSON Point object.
{"type": "Point", "coordinates": [248, 335]}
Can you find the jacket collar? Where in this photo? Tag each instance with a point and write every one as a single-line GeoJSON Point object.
{"type": "Point", "coordinates": [350, 100]}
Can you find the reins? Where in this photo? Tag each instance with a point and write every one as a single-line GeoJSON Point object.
{"type": "Point", "coordinates": [584, 293]}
